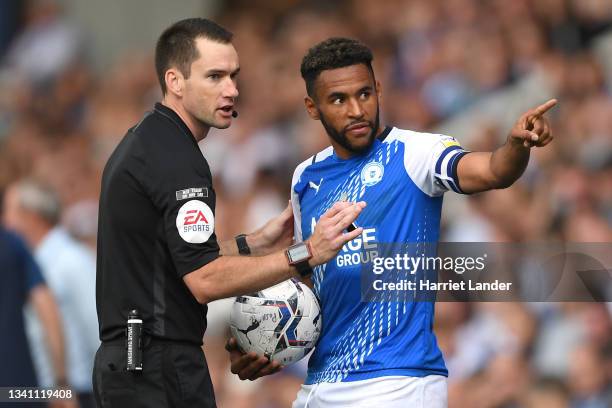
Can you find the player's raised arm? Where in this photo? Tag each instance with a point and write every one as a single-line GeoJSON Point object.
{"type": "Point", "coordinates": [481, 171]}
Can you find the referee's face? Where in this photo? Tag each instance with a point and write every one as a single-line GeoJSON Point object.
{"type": "Point", "coordinates": [346, 103]}
{"type": "Point", "coordinates": [211, 89]}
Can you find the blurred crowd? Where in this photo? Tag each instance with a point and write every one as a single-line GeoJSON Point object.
{"type": "Point", "coordinates": [61, 117]}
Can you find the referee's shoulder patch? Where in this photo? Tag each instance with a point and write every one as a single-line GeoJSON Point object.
{"type": "Point", "coordinates": [195, 222]}
{"type": "Point", "coordinates": [192, 192]}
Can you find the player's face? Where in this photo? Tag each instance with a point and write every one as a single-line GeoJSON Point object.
{"type": "Point", "coordinates": [211, 89]}
{"type": "Point", "coordinates": [347, 106]}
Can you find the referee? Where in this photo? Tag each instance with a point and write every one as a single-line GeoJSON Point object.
{"type": "Point", "coordinates": [157, 249]}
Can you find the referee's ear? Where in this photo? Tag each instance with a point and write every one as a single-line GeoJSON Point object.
{"type": "Point", "coordinates": [174, 82]}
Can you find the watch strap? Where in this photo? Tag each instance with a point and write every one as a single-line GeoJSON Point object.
{"type": "Point", "coordinates": [243, 246]}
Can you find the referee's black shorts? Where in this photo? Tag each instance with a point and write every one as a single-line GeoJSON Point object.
{"type": "Point", "coordinates": [174, 375]}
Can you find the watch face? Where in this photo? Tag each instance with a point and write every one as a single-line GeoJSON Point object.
{"type": "Point", "coordinates": [298, 253]}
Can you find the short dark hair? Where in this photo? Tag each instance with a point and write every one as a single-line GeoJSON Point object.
{"type": "Point", "coordinates": [176, 46]}
{"type": "Point", "coordinates": [335, 52]}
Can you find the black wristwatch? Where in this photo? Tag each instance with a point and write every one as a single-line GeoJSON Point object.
{"type": "Point", "coordinates": [298, 256]}
{"type": "Point", "coordinates": [243, 247]}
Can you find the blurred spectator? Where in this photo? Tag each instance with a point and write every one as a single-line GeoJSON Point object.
{"type": "Point", "coordinates": [547, 392]}
{"type": "Point", "coordinates": [587, 379]}
{"type": "Point", "coordinates": [47, 44]}
{"type": "Point", "coordinates": [20, 282]}
{"type": "Point", "coordinates": [81, 221]}
{"type": "Point", "coordinates": [33, 210]}
{"type": "Point", "coordinates": [560, 332]}
{"type": "Point", "coordinates": [9, 22]}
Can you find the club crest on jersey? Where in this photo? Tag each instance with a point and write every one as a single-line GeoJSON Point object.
{"type": "Point", "coordinates": [195, 222]}
{"type": "Point", "coordinates": [372, 173]}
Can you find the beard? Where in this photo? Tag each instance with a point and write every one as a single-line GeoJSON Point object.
{"type": "Point", "coordinates": [341, 138]}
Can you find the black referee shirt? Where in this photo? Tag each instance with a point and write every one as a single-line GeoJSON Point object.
{"type": "Point", "coordinates": [156, 224]}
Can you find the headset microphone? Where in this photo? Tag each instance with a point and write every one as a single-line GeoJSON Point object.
{"type": "Point", "coordinates": [234, 114]}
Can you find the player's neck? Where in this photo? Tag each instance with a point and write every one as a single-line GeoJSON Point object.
{"type": "Point", "coordinates": [197, 128]}
{"type": "Point", "coordinates": [341, 151]}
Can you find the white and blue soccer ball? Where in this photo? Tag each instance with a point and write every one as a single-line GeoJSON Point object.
{"type": "Point", "coordinates": [282, 322]}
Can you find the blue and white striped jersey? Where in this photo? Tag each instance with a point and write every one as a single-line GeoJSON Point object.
{"type": "Point", "coordinates": [402, 178]}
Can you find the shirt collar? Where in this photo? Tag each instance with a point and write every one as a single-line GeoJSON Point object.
{"type": "Point", "coordinates": [383, 135]}
{"type": "Point", "coordinates": [171, 115]}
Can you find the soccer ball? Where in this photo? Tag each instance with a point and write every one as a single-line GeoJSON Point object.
{"type": "Point", "coordinates": [282, 322]}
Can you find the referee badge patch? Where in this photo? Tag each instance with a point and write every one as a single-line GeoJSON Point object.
{"type": "Point", "coordinates": [195, 222]}
{"type": "Point", "coordinates": [193, 192]}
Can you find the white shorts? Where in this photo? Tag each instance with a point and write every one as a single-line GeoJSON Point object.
{"type": "Point", "coordinates": [387, 392]}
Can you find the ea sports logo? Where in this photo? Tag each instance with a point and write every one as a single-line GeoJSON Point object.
{"type": "Point", "coordinates": [195, 222]}
{"type": "Point", "coordinates": [372, 173]}
{"type": "Point", "coordinates": [193, 217]}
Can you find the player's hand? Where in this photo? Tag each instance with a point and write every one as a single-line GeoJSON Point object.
{"type": "Point", "coordinates": [275, 234]}
{"type": "Point", "coordinates": [249, 366]}
{"type": "Point", "coordinates": [329, 235]}
{"type": "Point", "coordinates": [532, 128]}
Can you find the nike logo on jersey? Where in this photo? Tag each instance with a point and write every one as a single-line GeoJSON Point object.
{"type": "Point", "coordinates": [315, 186]}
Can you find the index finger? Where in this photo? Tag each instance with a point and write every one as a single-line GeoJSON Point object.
{"type": "Point", "coordinates": [341, 206]}
{"type": "Point", "coordinates": [542, 109]}
{"type": "Point", "coordinates": [336, 208]}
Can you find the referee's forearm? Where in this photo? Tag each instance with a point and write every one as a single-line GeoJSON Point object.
{"type": "Point", "coordinates": [254, 242]}
{"type": "Point", "coordinates": [230, 276]}
{"type": "Point", "coordinates": [228, 248]}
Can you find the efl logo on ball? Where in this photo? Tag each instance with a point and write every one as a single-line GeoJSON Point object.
{"type": "Point", "coordinates": [195, 222]}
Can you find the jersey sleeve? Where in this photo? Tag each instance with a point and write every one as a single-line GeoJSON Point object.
{"type": "Point", "coordinates": [445, 157]}
{"type": "Point", "coordinates": [185, 197]}
{"type": "Point", "coordinates": [431, 161]}
{"type": "Point", "coordinates": [295, 201]}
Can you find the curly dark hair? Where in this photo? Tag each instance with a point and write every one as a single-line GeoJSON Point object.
{"type": "Point", "coordinates": [176, 46]}
{"type": "Point", "coordinates": [335, 52]}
